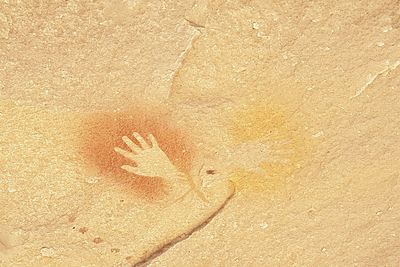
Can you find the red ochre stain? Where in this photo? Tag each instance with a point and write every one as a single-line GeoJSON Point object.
{"type": "Point", "coordinates": [98, 240]}
{"type": "Point", "coordinates": [83, 230]}
{"type": "Point", "coordinates": [102, 131]}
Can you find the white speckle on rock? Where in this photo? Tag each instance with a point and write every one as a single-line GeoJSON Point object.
{"type": "Point", "coordinates": [256, 25]}
{"type": "Point", "coordinates": [47, 252]}
{"type": "Point", "coordinates": [264, 225]}
{"type": "Point", "coordinates": [380, 44]}
{"type": "Point", "coordinates": [319, 134]}
{"type": "Point", "coordinates": [11, 189]}
{"type": "Point", "coordinates": [323, 249]}
{"type": "Point", "coordinates": [387, 28]}
{"type": "Point", "coordinates": [92, 180]}
{"type": "Point", "coordinates": [262, 35]}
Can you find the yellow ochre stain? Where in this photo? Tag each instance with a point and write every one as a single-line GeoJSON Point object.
{"type": "Point", "coordinates": [269, 126]}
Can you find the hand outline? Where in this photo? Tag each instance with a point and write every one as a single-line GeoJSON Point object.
{"type": "Point", "coordinates": [149, 158]}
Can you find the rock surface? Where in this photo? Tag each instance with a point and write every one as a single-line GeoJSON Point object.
{"type": "Point", "coordinates": [295, 102]}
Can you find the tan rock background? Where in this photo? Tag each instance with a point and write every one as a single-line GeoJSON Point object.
{"type": "Point", "coordinates": [296, 102]}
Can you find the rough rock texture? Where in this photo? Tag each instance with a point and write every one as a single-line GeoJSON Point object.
{"type": "Point", "coordinates": [60, 209]}
{"type": "Point", "coordinates": [98, 53]}
{"type": "Point", "coordinates": [297, 102]}
{"type": "Point", "coordinates": [328, 76]}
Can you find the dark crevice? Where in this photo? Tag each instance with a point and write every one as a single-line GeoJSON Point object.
{"type": "Point", "coordinates": [194, 24]}
{"type": "Point", "coordinates": [151, 257]}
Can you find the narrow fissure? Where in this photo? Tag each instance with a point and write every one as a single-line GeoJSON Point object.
{"type": "Point", "coordinates": [163, 249]}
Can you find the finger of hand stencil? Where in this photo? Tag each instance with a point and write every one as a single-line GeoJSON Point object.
{"type": "Point", "coordinates": [131, 144]}
{"type": "Point", "coordinates": [126, 154]}
{"type": "Point", "coordinates": [130, 169]}
{"type": "Point", "coordinates": [153, 140]}
{"type": "Point", "coordinates": [141, 141]}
